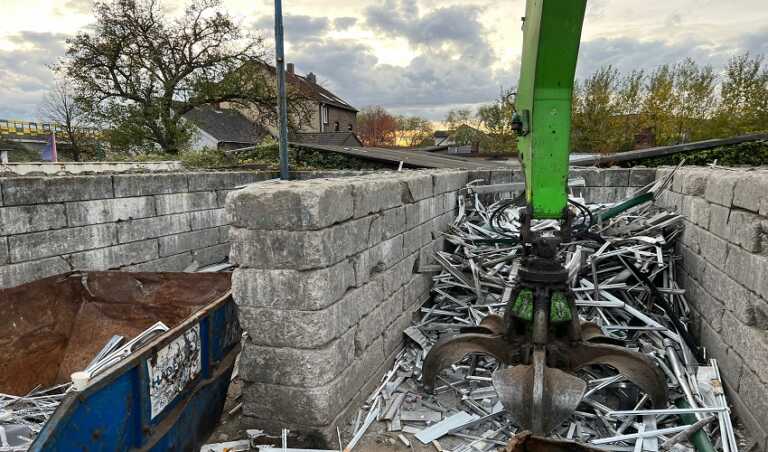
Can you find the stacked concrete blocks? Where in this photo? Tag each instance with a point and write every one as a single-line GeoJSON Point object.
{"type": "Point", "coordinates": [137, 222]}
{"type": "Point", "coordinates": [724, 269]}
{"type": "Point", "coordinates": [327, 281]}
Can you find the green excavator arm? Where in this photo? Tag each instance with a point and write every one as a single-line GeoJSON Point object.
{"type": "Point", "coordinates": [551, 35]}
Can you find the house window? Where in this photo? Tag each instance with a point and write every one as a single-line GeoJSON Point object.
{"type": "Point", "coordinates": [336, 126]}
{"type": "Point", "coordinates": [18, 126]}
{"type": "Point", "coordinates": [324, 114]}
{"type": "Point", "coordinates": [350, 128]}
{"type": "Point", "coordinates": [47, 127]}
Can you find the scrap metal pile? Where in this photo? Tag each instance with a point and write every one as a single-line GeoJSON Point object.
{"type": "Point", "coordinates": [23, 417]}
{"type": "Point", "coordinates": [622, 273]}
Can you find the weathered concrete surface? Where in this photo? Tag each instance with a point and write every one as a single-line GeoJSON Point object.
{"type": "Point", "coordinates": [724, 270]}
{"type": "Point", "coordinates": [150, 222]}
{"type": "Point", "coordinates": [324, 264]}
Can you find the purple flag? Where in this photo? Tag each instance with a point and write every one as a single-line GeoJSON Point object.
{"type": "Point", "coordinates": [49, 151]}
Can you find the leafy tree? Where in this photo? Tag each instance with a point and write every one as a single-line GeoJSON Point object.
{"type": "Point", "coordinates": [140, 72]}
{"type": "Point", "coordinates": [594, 109]}
{"type": "Point", "coordinates": [628, 101]}
{"type": "Point", "coordinates": [743, 104]}
{"type": "Point", "coordinates": [60, 106]}
{"type": "Point", "coordinates": [496, 120]}
{"type": "Point", "coordinates": [659, 105]}
{"type": "Point", "coordinates": [376, 126]}
{"type": "Point", "coordinates": [695, 100]}
{"type": "Point", "coordinates": [413, 131]}
{"type": "Point", "coordinates": [464, 127]}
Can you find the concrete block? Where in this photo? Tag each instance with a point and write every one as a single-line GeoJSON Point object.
{"type": "Point", "coordinates": [204, 219]}
{"type": "Point", "coordinates": [483, 175]}
{"type": "Point", "coordinates": [750, 343]}
{"type": "Point", "coordinates": [377, 259]}
{"type": "Point", "coordinates": [82, 213]}
{"type": "Point", "coordinates": [748, 230]}
{"type": "Point", "coordinates": [397, 276]}
{"type": "Point", "coordinates": [304, 368]}
{"type": "Point", "coordinates": [705, 304]}
{"type": "Point", "coordinates": [734, 296]}
{"type": "Point", "coordinates": [38, 190]}
{"type": "Point", "coordinates": [376, 194]}
{"type": "Point", "coordinates": [393, 334]}
{"type": "Point", "coordinates": [593, 177]}
{"type": "Point", "coordinates": [718, 221]}
{"type": "Point", "coordinates": [306, 205]}
{"type": "Point", "coordinates": [640, 177]}
{"type": "Point", "coordinates": [221, 197]}
{"type": "Point", "coordinates": [317, 406]}
{"type": "Point", "coordinates": [616, 177]}
{"type": "Point", "coordinates": [730, 363]}
{"type": "Point", "coordinates": [752, 391]}
{"type": "Point", "coordinates": [369, 329]}
{"type": "Point", "coordinates": [417, 186]}
{"type": "Point", "coordinates": [175, 263]}
{"type": "Point", "coordinates": [133, 230]}
{"type": "Point", "coordinates": [127, 185]}
{"type": "Point", "coordinates": [693, 263]}
{"type": "Point", "coordinates": [420, 212]}
{"type": "Point", "coordinates": [416, 291]}
{"type": "Point", "coordinates": [61, 241]}
{"type": "Point", "coordinates": [32, 218]}
{"type": "Point", "coordinates": [746, 268]}
{"type": "Point", "coordinates": [760, 308]}
{"type": "Point", "coordinates": [720, 186]}
{"type": "Point", "coordinates": [223, 234]}
{"type": "Point", "coordinates": [750, 190]}
{"type": "Point", "coordinates": [308, 290]}
{"type": "Point", "coordinates": [211, 255]}
{"type": "Point", "coordinates": [299, 250]}
{"type": "Point", "coordinates": [500, 176]}
{"type": "Point", "coordinates": [187, 241]}
{"type": "Point", "coordinates": [691, 236]}
{"type": "Point", "coordinates": [713, 248]}
{"type": "Point", "coordinates": [448, 180]}
{"type": "Point", "coordinates": [4, 257]}
{"type": "Point", "coordinates": [699, 211]}
{"type": "Point", "coordinates": [113, 257]}
{"type": "Point", "coordinates": [387, 224]}
{"type": "Point", "coordinates": [17, 274]}
{"type": "Point", "coordinates": [210, 181]}
{"type": "Point", "coordinates": [309, 329]}
{"type": "Point", "coordinates": [185, 202]}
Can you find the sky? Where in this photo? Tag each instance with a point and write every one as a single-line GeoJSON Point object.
{"type": "Point", "coordinates": [422, 57]}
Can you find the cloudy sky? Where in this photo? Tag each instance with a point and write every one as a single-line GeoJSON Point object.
{"type": "Point", "coordinates": [420, 57]}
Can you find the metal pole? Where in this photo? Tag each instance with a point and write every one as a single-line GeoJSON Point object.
{"type": "Point", "coordinates": [282, 103]}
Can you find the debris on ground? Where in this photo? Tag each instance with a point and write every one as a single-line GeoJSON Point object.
{"type": "Point", "coordinates": [621, 265]}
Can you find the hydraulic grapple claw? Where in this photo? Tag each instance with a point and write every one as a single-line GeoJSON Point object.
{"type": "Point", "coordinates": [448, 351]}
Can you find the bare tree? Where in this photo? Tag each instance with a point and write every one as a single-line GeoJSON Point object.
{"type": "Point", "coordinates": [142, 72]}
{"type": "Point", "coordinates": [60, 107]}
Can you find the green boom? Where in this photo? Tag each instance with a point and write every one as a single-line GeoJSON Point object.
{"type": "Point", "coordinates": [551, 35]}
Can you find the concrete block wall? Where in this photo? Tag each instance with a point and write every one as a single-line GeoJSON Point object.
{"type": "Point", "coordinates": [601, 185]}
{"type": "Point", "coordinates": [724, 269]}
{"type": "Point", "coordinates": [328, 279]}
{"type": "Point", "coordinates": [137, 222]}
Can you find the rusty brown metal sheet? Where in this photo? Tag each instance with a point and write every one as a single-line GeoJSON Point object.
{"type": "Point", "coordinates": [55, 326]}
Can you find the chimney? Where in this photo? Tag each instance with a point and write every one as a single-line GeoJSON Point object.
{"type": "Point", "coordinates": [290, 68]}
{"type": "Point", "coordinates": [311, 77]}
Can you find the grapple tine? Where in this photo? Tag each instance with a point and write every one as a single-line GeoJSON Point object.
{"type": "Point", "coordinates": [638, 368]}
{"type": "Point", "coordinates": [450, 350]}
